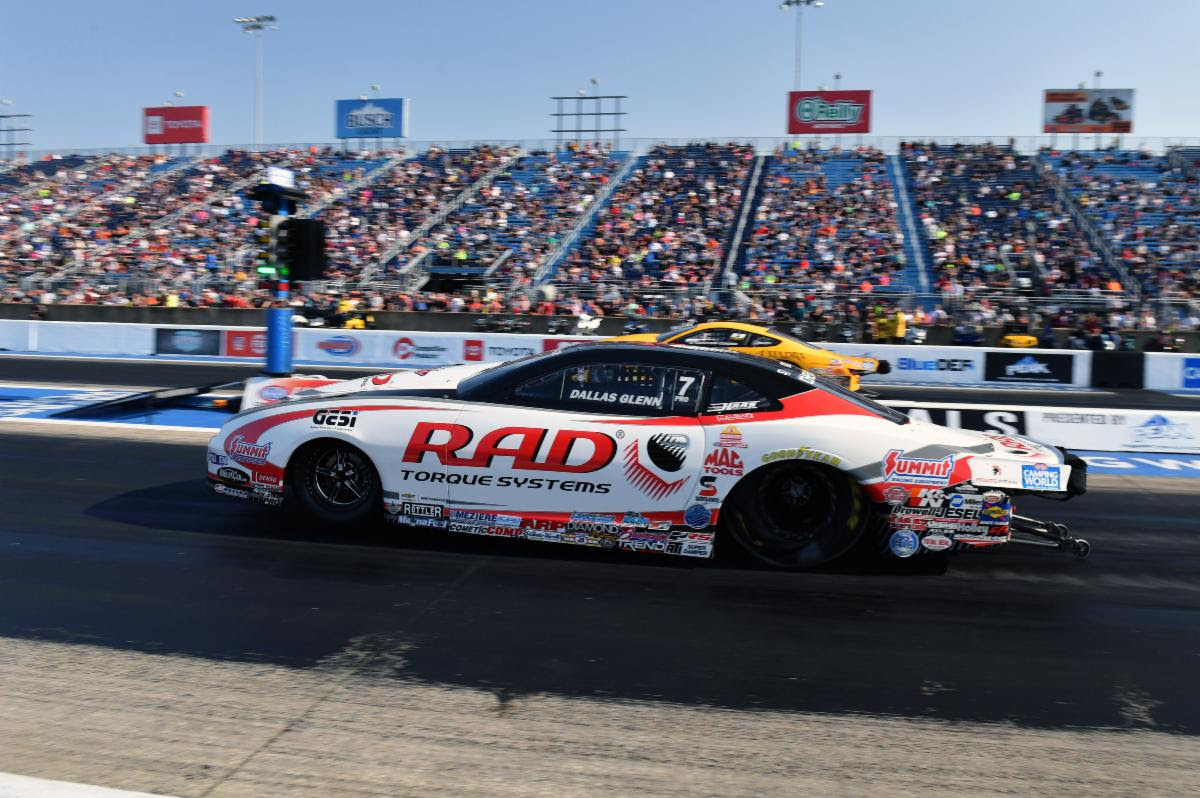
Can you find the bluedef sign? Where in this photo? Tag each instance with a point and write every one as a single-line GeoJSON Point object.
{"type": "Point", "coordinates": [376, 118]}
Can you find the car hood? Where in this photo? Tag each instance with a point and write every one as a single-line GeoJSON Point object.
{"type": "Point", "coordinates": [263, 391]}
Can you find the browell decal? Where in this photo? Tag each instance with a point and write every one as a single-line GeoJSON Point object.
{"type": "Point", "coordinates": [917, 470]}
{"type": "Point", "coordinates": [448, 443]}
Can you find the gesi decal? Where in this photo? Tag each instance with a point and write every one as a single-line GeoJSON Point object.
{"type": "Point", "coordinates": [335, 418]}
{"type": "Point", "coordinates": [917, 470]}
{"type": "Point", "coordinates": [447, 442]}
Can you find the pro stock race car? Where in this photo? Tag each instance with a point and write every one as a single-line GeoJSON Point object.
{"type": "Point", "coordinates": [639, 446]}
{"type": "Point", "coordinates": [751, 339]}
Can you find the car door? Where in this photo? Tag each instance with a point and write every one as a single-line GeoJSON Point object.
{"type": "Point", "coordinates": [591, 443]}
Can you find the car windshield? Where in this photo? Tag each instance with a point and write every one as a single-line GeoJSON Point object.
{"type": "Point", "coordinates": [670, 333]}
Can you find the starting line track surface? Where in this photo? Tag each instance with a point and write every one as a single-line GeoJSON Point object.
{"type": "Point", "coordinates": [25, 401]}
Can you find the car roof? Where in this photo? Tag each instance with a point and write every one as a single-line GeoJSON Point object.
{"type": "Point", "coordinates": [679, 351]}
{"type": "Point", "coordinates": [737, 325]}
{"type": "Point", "coordinates": [647, 353]}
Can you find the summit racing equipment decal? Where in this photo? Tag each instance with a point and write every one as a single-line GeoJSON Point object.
{"type": "Point", "coordinates": [917, 470]}
{"type": "Point", "coordinates": [451, 439]}
{"type": "Point", "coordinates": [246, 452]}
{"type": "Point", "coordinates": [646, 480]}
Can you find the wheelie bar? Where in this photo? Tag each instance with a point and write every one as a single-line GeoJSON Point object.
{"type": "Point", "coordinates": [1047, 534]}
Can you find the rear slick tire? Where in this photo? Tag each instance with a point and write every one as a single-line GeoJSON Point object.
{"type": "Point", "coordinates": [796, 515]}
{"type": "Point", "coordinates": [336, 484]}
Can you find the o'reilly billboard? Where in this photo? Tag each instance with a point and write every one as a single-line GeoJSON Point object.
{"type": "Point", "coordinates": [818, 112]}
{"type": "Point", "coordinates": [376, 118]}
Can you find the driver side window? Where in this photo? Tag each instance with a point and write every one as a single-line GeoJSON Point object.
{"type": "Point", "coordinates": [719, 337]}
{"type": "Point", "coordinates": [618, 388]}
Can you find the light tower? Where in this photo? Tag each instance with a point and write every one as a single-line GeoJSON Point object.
{"type": "Point", "coordinates": [255, 27]}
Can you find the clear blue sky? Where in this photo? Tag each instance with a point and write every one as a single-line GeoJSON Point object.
{"type": "Point", "coordinates": [478, 69]}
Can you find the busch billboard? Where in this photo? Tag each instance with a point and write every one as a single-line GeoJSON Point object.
{"type": "Point", "coordinates": [829, 112]}
{"type": "Point", "coordinates": [178, 124]}
{"type": "Point", "coordinates": [377, 118]}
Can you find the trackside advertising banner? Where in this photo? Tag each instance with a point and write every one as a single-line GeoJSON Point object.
{"type": "Point", "coordinates": [376, 118]}
{"type": "Point", "coordinates": [411, 349]}
{"type": "Point", "coordinates": [179, 124]}
{"type": "Point", "coordinates": [815, 112]}
{"type": "Point", "coordinates": [1098, 429]}
{"type": "Point", "coordinates": [1087, 111]}
{"type": "Point", "coordinates": [1170, 371]}
{"type": "Point", "coordinates": [960, 365]}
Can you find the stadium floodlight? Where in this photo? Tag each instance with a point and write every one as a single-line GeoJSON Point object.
{"type": "Point", "coordinates": [799, 6]}
{"type": "Point", "coordinates": [255, 27]}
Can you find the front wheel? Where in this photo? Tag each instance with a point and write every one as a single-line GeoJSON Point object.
{"type": "Point", "coordinates": [337, 484]}
{"type": "Point", "coordinates": [796, 515]}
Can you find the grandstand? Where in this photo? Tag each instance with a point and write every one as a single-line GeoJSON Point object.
{"type": "Point", "coordinates": [660, 229]}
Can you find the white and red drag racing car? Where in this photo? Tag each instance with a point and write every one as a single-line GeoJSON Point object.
{"type": "Point", "coordinates": [638, 446]}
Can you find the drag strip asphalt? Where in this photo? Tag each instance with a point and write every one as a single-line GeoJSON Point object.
{"type": "Point", "coordinates": [146, 374]}
{"type": "Point", "coordinates": [117, 544]}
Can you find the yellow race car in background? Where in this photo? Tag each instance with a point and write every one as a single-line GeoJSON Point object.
{"type": "Point", "coordinates": [765, 342]}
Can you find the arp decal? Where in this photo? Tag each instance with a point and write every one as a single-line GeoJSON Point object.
{"type": "Point", "coordinates": [646, 480]}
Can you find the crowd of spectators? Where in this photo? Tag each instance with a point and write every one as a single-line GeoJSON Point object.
{"type": "Point", "coordinates": [980, 203]}
{"type": "Point", "coordinates": [179, 230]}
{"type": "Point", "coordinates": [668, 223]}
{"type": "Point", "coordinates": [525, 211]}
{"type": "Point", "coordinates": [385, 213]}
{"type": "Point", "coordinates": [1149, 211]}
{"type": "Point", "coordinates": [825, 218]}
